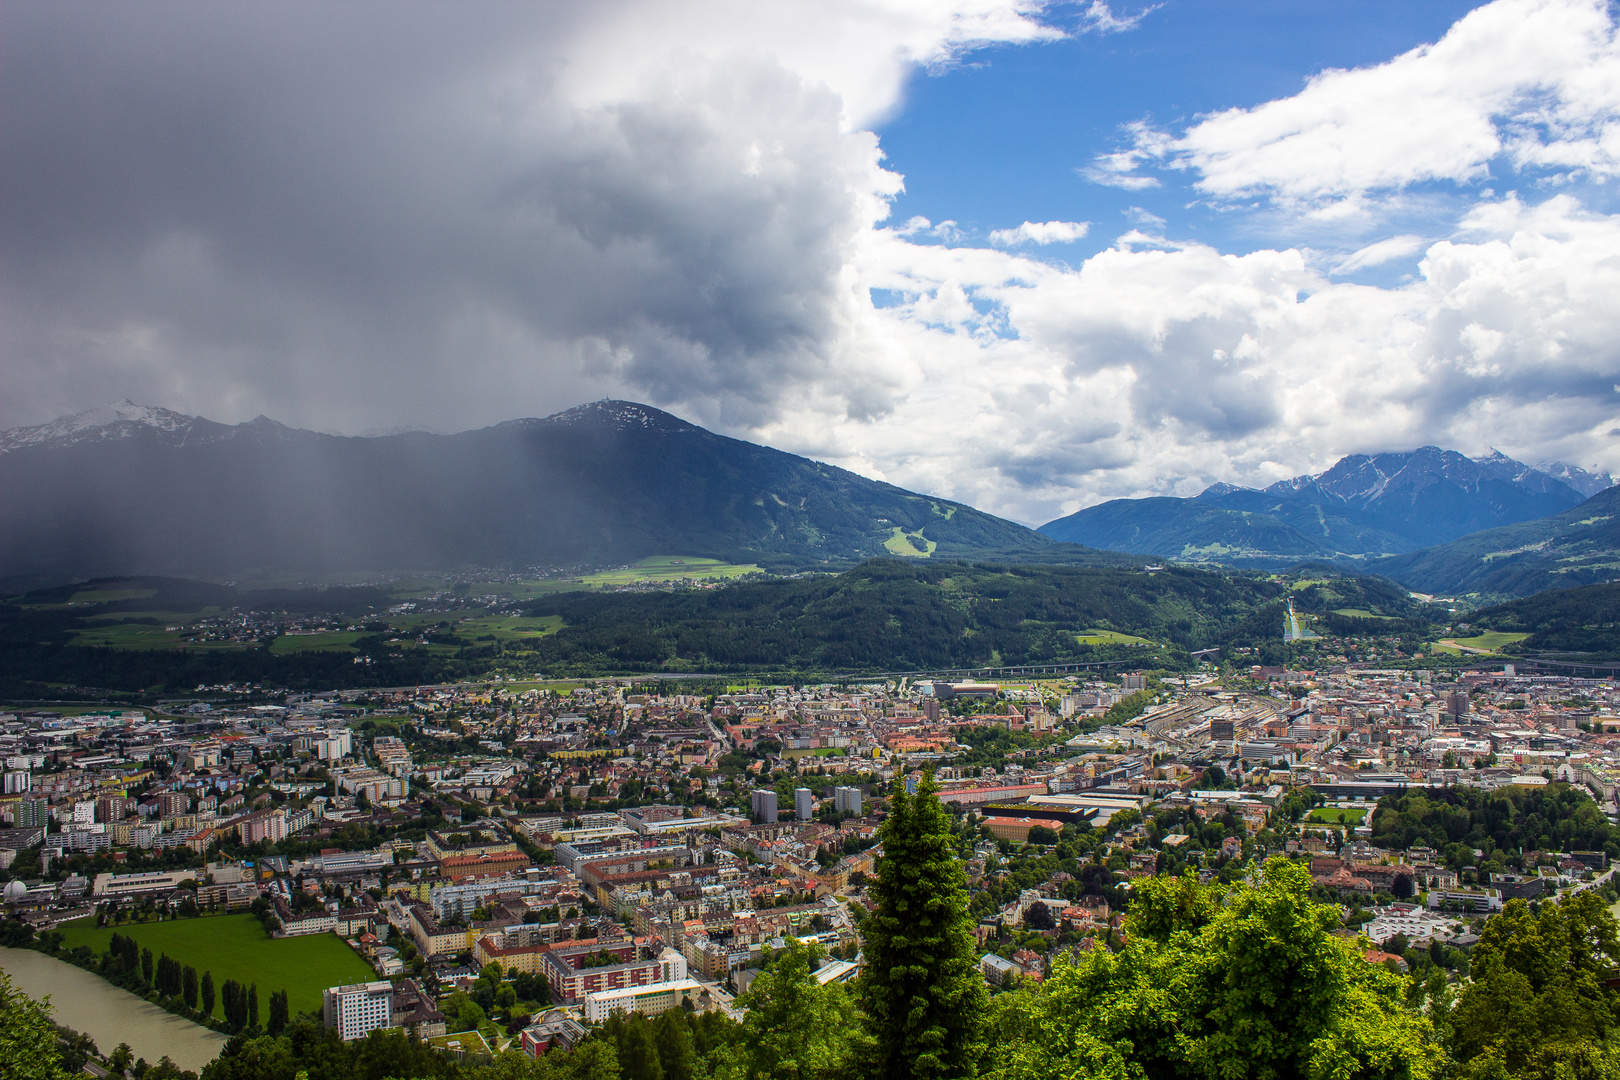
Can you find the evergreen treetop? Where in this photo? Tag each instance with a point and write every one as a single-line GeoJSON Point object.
{"type": "Point", "coordinates": [921, 989]}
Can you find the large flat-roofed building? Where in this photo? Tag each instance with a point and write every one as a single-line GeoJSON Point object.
{"type": "Point", "coordinates": [136, 884]}
{"type": "Point", "coordinates": [502, 864]}
{"type": "Point", "coordinates": [647, 1000]}
{"type": "Point", "coordinates": [945, 691]}
{"type": "Point", "coordinates": [764, 807]}
{"type": "Point", "coordinates": [358, 1008]}
{"type": "Point", "coordinates": [803, 804]}
{"type": "Point", "coordinates": [571, 981]}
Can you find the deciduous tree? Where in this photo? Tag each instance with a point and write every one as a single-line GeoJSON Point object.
{"type": "Point", "coordinates": [795, 1028]}
{"type": "Point", "coordinates": [1241, 981]}
{"type": "Point", "coordinates": [1536, 1006]}
{"type": "Point", "coordinates": [27, 1040]}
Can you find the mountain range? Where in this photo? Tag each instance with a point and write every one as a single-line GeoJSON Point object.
{"type": "Point", "coordinates": [1364, 506]}
{"type": "Point", "coordinates": [1580, 546]}
{"type": "Point", "coordinates": [136, 489]}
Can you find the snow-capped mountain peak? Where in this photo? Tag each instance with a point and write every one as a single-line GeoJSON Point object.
{"type": "Point", "coordinates": [121, 420]}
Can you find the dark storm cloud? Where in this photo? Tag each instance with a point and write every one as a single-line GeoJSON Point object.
{"type": "Point", "coordinates": [360, 214]}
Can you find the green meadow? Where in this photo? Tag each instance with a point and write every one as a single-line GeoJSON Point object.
{"type": "Point", "coordinates": [1110, 637]}
{"type": "Point", "coordinates": [236, 947]}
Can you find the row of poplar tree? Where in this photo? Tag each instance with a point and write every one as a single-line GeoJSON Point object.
{"type": "Point", "coordinates": [126, 963]}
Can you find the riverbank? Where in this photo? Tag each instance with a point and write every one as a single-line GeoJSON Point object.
{"type": "Point", "coordinates": [109, 1015]}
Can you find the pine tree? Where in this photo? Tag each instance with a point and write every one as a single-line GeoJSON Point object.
{"type": "Point", "coordinates": [253, 1006]}
{"type": "Point", "coordinates": [146, 966]}
{"type": "Point", "coordinates": [638, 1053]}
{"type": "Point", "coordinates": [188, 986]}
{"type": "Point", "coordinates": [922, 992]}
{"type": "Point", "coordinates": [205, 993]}
{"type": "Point", "coordinates": [674, 1039]}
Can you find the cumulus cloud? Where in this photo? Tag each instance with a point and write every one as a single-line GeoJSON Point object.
{"type": "Point", "coordinates": [1535, 82]}
{"type": "Point", "coordinates": [1034, 389]}
{"type": "Point", "coordinates": [365, 216]}
{"type": "Point", "coordinates": [1041, 232]}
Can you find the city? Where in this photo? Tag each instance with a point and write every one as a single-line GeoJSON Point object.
{"type": "Point", "coordinates": [633, 846]}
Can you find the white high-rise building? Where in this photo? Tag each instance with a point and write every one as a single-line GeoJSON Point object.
{"type": "Point", "coordinates": [358, 1008]}
{"type": "Point", "coordinates": [804, 804]}
{"type": "Point", "coordinates": [18, 782]}
{"type": "Point", "coordinates": [847, 799]}
{"type": "Point", "coordinates": [764, 805]}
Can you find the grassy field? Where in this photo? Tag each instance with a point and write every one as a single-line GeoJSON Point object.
{"type": "Point", "coordinates": [107, 596]}
{"type": "Point", "coordinates": [335, 641]}
{"type": "Point", "coordinates": [1110, 637]}
{"type": "Point", "coordinates": [510, 627]}
{"type": "Point", "coordinates": [235, 947]}
{"type": "Point", "coordinates": [168, 618]}
{"type": "Point", "coordinates": [670, 568]}
{"type": "Point", "coordinates": [900, 543]}
{"type": "Point", "coordinates": [146, 636]}
{"type": "Point", "coordinates": [518, 686]}
{"type": "Point", "coordinates": [1490, 641]}
{"type": "Point", "coordinates": [1359, 613]}
{"type": "Point", "coordinates": [1329, 815]}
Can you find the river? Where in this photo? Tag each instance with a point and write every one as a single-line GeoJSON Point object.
{"type": "Point", "coordinates": [109, 1015]}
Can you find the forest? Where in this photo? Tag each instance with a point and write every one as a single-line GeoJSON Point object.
{"type": "Point", "coordinates": [892, 616]}
{"type": "Point", "coordinates": [1458, 820]}
{"type": "Point", "coordinates": [885, 615]}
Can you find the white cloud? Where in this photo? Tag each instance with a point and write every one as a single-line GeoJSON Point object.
{"type": "Point", "coordinates": [1379, 253]}
{"type": "Point", "coordinates": [1101, 19]}
{"type": "Point", "coordinates": [1535, 82]}
{"type": "Point", "coordinates": [1031, 389]}
{"type": "Point", "coordinates": [1039, 232]}
{"type": "Point", "coordinates": [1118, 169]}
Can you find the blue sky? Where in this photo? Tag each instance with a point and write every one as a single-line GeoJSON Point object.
{"type": "Point", "coordinates": [998, 139]}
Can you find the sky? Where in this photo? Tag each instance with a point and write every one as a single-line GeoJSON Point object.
{"type": "Point", "coordinates": [1031, 256]}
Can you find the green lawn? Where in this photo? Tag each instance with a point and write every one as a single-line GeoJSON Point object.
{"type": "Point", "coordinates": [1359, 613]}
{"type": "Point", "coordinates": [464, 1042]}
{"type": "Point", "coordinates": [1329, 815]}
{"type": "Point", "coordinates": [236, 947]}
